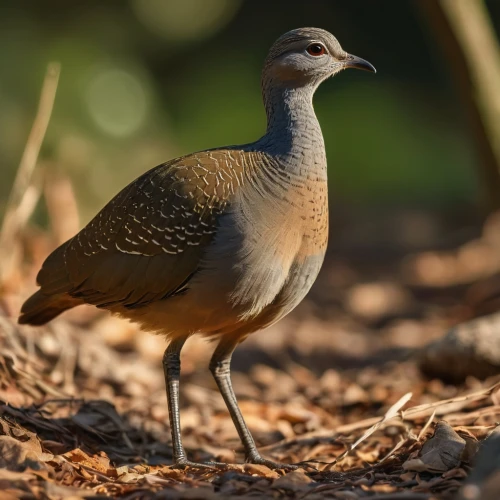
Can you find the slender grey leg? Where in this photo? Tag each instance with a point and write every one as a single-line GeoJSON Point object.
{"type": "Point", "coordinates": [220, 365]}
{"type": "Point", "coordinates": [172, 370]}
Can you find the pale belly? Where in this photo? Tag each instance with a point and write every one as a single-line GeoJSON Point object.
{"type": "Point", "coordinates": [227, 298]}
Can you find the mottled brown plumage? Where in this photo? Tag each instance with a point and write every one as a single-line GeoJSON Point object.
{"type": "Point", "coordinates": [147, 243]}
{"type": "Point", "coordinates": [221, 242]}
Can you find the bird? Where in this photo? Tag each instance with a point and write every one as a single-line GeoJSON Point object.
{"type": "Point", "coordinates": [222, 243]}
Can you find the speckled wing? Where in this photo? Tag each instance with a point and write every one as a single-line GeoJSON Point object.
{"type": "Point", "coordinates": [147, 243]}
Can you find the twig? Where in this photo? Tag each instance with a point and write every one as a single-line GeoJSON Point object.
{"type": "Point", "coordinates": [398, 445]}
{"type": "Point", "coordinates": [23, 196]}
{"type": "Point", "coordinates": [392, 412]}
{"type": "Point", "coordinates": [414, 413]}
{"type": "Point", "coordinates": [426, 426]}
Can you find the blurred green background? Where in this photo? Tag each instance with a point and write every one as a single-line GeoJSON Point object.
{"type": "Point", "coordinates": [146, 80]}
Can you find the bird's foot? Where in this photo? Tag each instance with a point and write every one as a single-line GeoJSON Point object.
{"type": "Point", "coordinates": [259, 460]}
{"type": "Point", "coordinates": [184, 463]}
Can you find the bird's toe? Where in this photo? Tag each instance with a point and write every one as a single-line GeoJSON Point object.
{"type": "Point", "coordinates": [183, 464]}
{"type": "Point", "coordinates": [259, 460]}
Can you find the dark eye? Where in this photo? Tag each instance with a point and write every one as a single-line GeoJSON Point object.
{"type": "Point", "coordinates": [316, 49]}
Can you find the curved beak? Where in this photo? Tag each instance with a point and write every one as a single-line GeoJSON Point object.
{"type": "Point", "coordinates": [356, 62]}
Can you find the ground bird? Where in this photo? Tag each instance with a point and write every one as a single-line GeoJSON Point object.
{"type": "Point", "coordinates": [222, 242]}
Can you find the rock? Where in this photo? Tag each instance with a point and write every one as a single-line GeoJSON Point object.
{"type": "Point", "coordinates": [469, 349]}
{"type": "Point", "coordinates": [441, 453]}
{"type": "Point", "coordinates": [484, 481]}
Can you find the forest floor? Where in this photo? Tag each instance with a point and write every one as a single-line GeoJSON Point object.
{"type": "Point", "coordinates": [336, 387]}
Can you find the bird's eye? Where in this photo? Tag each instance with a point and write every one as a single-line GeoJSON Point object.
{"type": "Point", "coordinates": [316, 49]}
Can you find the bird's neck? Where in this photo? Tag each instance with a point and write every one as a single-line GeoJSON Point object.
{"type": "Point", "coordinates": [293, 131]}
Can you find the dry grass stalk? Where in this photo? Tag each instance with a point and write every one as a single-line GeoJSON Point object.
{"type": "Point", "coordinates": [467, 37]}
{"type": "Point", "coordinates": [475, 32]}
{"type": "Point", "coordinates": [24, 195]}
{"type": "Point", "coordinates": [392, 412]}
{"type": "Point", "coordinates": [447, 407]}
{"type": "Point", "coordinates": [422, 432]}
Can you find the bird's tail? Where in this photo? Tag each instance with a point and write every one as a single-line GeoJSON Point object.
{"type": "Point", "coordinates": [41, 308]}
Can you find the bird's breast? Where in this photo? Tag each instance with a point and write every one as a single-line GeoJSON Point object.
{"type": "Point", "coordinates": [271, 244]}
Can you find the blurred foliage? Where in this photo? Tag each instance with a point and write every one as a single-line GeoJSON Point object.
{"type": "Point", "coordinates": [145, 80]}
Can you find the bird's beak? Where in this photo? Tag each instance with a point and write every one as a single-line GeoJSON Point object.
{"type": "Point", "coordinates": [356, 62]}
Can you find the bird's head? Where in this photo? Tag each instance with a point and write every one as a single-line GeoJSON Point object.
{"type": "Point", "coordinates": [307, 56]}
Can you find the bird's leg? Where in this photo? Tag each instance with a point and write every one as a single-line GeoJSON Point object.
{"type": "Point", "coordinates": [220, 365]}
{"type": "Point", "coordinates": [172, 370]}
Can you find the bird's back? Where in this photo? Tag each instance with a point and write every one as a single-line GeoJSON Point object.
{"type": "Point", "coordinates": [147, 242]}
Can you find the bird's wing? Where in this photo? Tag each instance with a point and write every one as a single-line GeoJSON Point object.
{"type": "Point", "coordinates": [147, 243]}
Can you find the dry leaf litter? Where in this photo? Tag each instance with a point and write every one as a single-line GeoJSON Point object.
{"type": "Point", "coordinates": [337, 387]}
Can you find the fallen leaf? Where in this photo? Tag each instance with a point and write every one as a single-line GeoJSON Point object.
{"type": "Point", "coordinates": [17, 455]}
{"type": "Point", "coordinates": [80, 457]}
{"type": "Point", "coordinates": [293, 481]}
{"type": "Point", "coordinates": [260, 470]}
